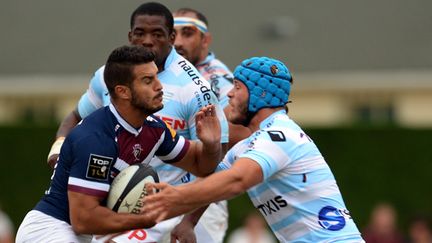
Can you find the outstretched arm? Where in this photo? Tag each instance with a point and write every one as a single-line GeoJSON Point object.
{"type": "Point", "coordinates": [173, 201]}
{"type": "Point", "coordinates": [68, 123]}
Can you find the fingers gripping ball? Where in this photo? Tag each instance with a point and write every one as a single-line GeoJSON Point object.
{"type": "Point", "coordinates": [268, 82]}
{"type": "Point", "coordinates": [128, 188]}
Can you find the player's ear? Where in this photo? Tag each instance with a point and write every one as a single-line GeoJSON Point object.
{"type": "Point", "coordinates": [130, 36]}
{"type": "Point", "coordinates": [207, 40]}
{"type": "Point", "coordinates": [123, 92]}
{"type": "Point", "coordinates": [172, 37]}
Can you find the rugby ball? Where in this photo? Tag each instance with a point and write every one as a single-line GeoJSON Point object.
{"type": "Point", "coordinates": [127, 189]}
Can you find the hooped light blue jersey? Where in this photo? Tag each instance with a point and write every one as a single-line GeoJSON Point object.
{"type": "Point", "coordinates": [185, 93]}
{"type": "Point", "coordinates": [298, 197]}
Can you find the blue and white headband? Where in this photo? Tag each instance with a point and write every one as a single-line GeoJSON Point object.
{"type": "Point", "coordinates": [187, 21]}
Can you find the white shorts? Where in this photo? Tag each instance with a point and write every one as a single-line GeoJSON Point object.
{"type": "Point", "coordinates": [152, 235]}
{"type": "Point", "coordinates": [213, 224]}
{"type": "Point", "coordinates": [210, 229]}
{"type": "Point", "coordinates": [40, 227]}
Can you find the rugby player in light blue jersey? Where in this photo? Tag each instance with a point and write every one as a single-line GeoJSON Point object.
{"type": "Point", "coordinates": [279, 166]}
{"type": "Point", "coordinates": [193, 41]}
{"type": "Point", "coordinates": [185, 93]}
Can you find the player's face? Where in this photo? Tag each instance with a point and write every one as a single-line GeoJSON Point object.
{"type": "Point", "coordinates": [146, 90]}
{"type": "Point", "coordinates": [151, 32]}
{"type": "Point", "coordinates": [189, 41]}
{"type": "Point", "coordinates": [238, 103]}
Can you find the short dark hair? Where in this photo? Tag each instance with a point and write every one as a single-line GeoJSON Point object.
{"type": "Point", "coordinates": [153, 8]}
{"type": "Point", "coordinates": [199, 15]}
{"type": "Point", "coordinates": [120, 63]}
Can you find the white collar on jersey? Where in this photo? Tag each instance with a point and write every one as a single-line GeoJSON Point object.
{"type": "Point", "coordinates": [124, 123]}
{"type": "Point", "coordinates": [265, 123]}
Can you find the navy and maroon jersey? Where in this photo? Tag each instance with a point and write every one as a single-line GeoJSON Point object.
{"type": "Point", "coordinates": [101, 146]}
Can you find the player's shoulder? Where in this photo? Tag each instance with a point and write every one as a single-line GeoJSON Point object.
{"type": "Point", "coordinates": [212, 65]}
{"type": "Point", "coordinates": [280, 119]}
{"type": "Point", "coordinates": [159, 126]}
{"type": "Point", "coordinates": [220, 67]}
{"type": "Point", "coordinates": [281, 129]}
{"type": "Point", "coordinates": [156, 122]}
{"type": "Point", "coordinates": [96, 124]}
{"type": "Point", "coordinates": [98, 74]}
{"type": "Point", "coordinates": [239, 148]}
{"type": "Point", "coordinates": [186, 82]}
{"type": "Point", "coordinates": [94, 136]}
{"type": "Point", "coordinates": [100, 70]}
{"type": "Point", "coordinates": [180, 71]}
{"type": "Point", "coordinates": [97, 82]}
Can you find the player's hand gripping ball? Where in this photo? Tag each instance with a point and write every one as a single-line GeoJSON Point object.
{"type": "Point", "coordinates": [128, 188]}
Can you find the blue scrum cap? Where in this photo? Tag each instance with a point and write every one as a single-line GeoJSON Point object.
{"type": "Point", "coordinates": [268, 81]}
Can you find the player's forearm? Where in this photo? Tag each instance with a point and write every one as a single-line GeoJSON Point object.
{"type": "Point", "coordinates": [87, 216]}
{"type": "Point", "coordinates": [102, 220]}
{"type": "Point", "coordinates": [65, 127]}
{"type": "Point", "coordinates": [244, 174]}
{"type": "Point", "coordinates": [68, 123]}
{"type": "Point", "coordinates": [209, 158]}
{"type": "Point", "coordinates": [216, 187]}
{"type": "Point", "coordinates": [195, 216]}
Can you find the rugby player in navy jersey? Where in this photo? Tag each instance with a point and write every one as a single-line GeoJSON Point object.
{"type": "Point", "coordinates": [110, 139]}
{"type": "Point", "coordinates": [185, 93]}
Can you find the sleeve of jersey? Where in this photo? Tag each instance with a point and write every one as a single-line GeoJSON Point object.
{"type": "Point", "coordinates": [226, 163]}
{"type": "Point", "coordinates": [194, 106]}
{"type": "Point", "coordinates": [173, 147]}
{"type": "Point", "coordinates": [270, 158]}
{"type": "Point", "coordinates": [95, 97]}
{"type": "Point", "coordinates": [92, 160]}
{"type": "Point", "coordinates": [231, 156]}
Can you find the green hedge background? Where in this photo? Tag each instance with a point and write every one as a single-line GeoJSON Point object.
{"type": "Point", "coordinates": [370, 164]}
